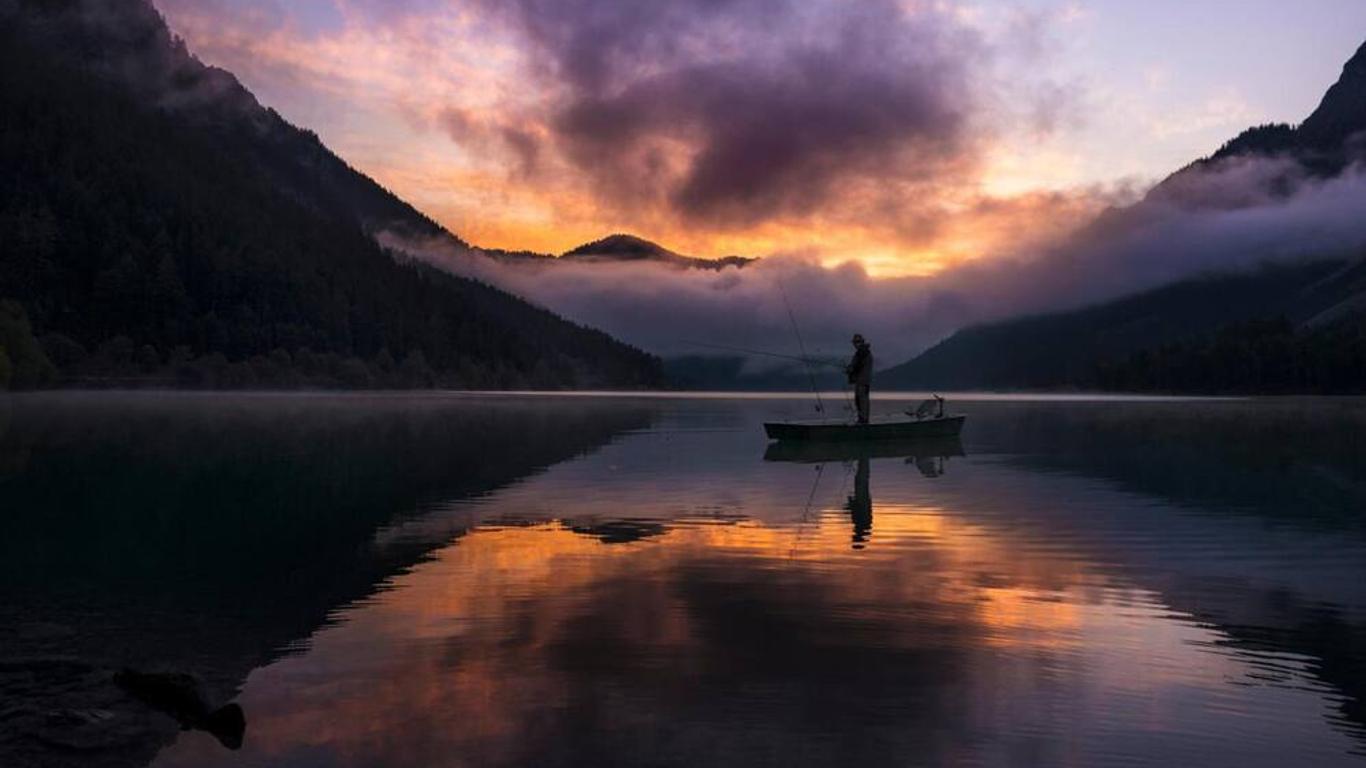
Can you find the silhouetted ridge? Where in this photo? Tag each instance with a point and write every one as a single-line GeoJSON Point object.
{"type": "Point", "coordinates": [1326, 142]}
{"type": "Point", "coordinates": [1341, 115]}
{"type": "Point", "coordinates": [622, 248]}
{"type": "Point", "coordinates": [1269, 139]}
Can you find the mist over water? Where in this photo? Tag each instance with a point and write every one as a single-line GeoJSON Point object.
{"type": "Point", "coordinates": [543, 580]}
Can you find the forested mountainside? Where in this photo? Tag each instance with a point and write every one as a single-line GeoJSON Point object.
{"type": "Point", "coordinates": [158, 225]}
{"type": "Point", "coordinates": [1252, 332]}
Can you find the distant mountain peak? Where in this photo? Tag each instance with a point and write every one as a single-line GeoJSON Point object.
{"type": "Point", "coordinates": [618, 248]}
{"type": "Point", "coordinates": [1330, 140]}
{"type": "Point", "coordinates": [623, 247]}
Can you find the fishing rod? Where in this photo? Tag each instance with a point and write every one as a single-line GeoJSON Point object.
{"type": "Point", "coordinates": [810, 372]}
{"type": "Point", "coordinates": [742, 350]}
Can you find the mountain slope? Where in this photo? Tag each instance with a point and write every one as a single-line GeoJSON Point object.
{"type": "Point", "coordinates": [156, 222]}
{"type": "Point", "coordinates": [1297, 328]}
{"type": "Point", "coordinates": [1189, 335]}
{"type": "Point", "coordinates": [1065, 350]}
{"type": "Point", "coordinates": [1327, 142]}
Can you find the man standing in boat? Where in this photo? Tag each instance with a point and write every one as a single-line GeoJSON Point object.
{"type": "Point", "coordinates": [860, 372]}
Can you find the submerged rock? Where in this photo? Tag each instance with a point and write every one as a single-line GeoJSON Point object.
{"type": "Point", "coordinates": [180, 696]}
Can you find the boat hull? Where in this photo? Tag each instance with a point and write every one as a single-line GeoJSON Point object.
{"type": "Point", "coordinates": [827, 431]}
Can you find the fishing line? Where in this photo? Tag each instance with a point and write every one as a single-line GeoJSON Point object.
{"type": "Point", "coordinates": [810, 372]}
{"type": "Point", "coordinates": [849, 406]}
{"type": "Point", "coordinates": [743, 350]}
{"type": "Point", "coordinates": [806, 512]}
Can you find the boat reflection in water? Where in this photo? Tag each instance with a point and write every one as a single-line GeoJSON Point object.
{"type": "Point", "coordinates": [929, 455]}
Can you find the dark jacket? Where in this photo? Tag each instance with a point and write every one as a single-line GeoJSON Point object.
{"type": "Point", "coordinates": [860, 368]}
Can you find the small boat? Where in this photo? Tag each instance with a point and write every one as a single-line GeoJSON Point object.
{"type": "Point", "coordinates": [928, 420]}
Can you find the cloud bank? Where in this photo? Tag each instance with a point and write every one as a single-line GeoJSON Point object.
{"type": "Point", "coordinates": [1159, 240]}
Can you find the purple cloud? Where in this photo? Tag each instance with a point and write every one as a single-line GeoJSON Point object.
{"type": "Point", "coordinates": [730, 112]}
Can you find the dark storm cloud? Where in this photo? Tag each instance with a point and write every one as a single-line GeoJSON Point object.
{"type": "Point", "coordinates": [733, 111]}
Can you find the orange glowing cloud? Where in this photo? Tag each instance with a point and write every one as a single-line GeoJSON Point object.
{"type": "Point", "coordinates": [745, 127]}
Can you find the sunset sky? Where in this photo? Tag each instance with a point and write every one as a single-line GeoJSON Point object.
{"type": "Point", "coordinates": [907, 136]}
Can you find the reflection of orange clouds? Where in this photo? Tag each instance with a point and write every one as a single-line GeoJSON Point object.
{"type": "Point", "coordinates": [1014, 613]}
{"type": "Point", "coordinates": [472, 654]}
{"type": "Point", "coordinates": [545, 221]}
{"type": "Point", "coordinates": [478, 624]}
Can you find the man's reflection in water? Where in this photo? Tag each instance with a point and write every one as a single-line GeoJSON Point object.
{"type": "Point", "coordinates": [860, 505]}
{"type": "Point", "coordinates": [929, 457]}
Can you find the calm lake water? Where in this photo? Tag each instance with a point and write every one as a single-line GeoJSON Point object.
{"type": "Point", "coordinates": [447, 580]}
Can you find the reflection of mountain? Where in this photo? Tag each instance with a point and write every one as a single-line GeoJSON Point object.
{"type": "Point", "coordinates": [1296, 462]}
{"type": "Point", "coordinates": [1260, 477]}
{"type": "Point", "coordinates": [209, 536]}
{"type": "Point", "coordinates": [617, 531]}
